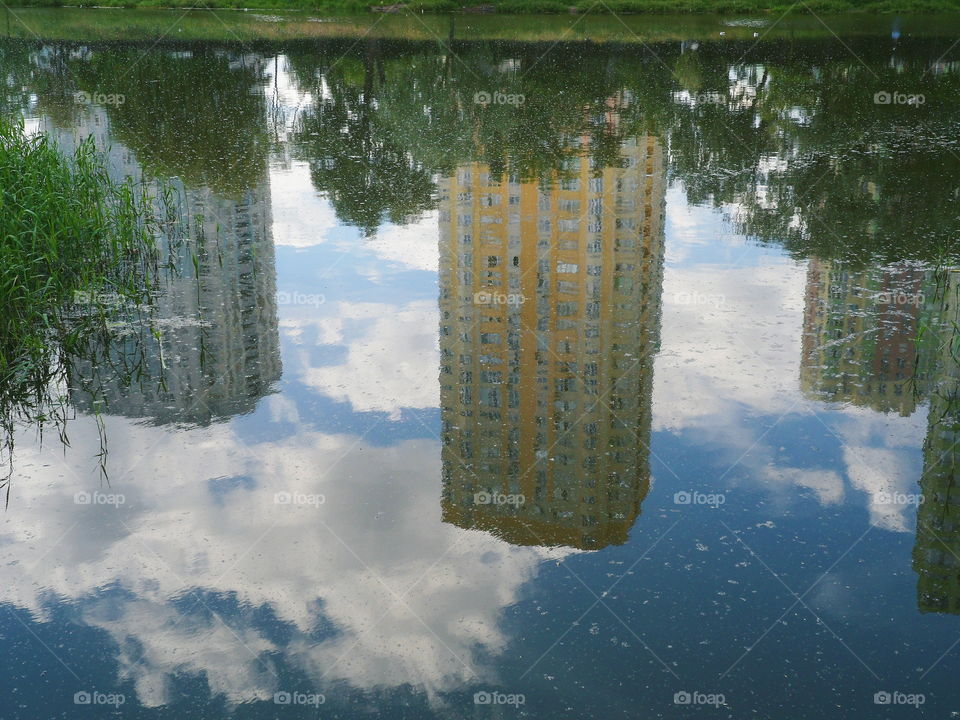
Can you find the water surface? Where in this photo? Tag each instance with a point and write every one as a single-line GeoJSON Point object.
{"type": "Point", "coordinates": [503, 378]}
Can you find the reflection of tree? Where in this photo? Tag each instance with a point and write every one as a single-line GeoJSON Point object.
{"type": "Point", "coordinates": [813, 163]}
{"type": "Point", "coordinates": [368, 177]}
{"type": "Point", "coordinates": [197, 115]}
{"type": "Point", "coordinates": [801, 151]}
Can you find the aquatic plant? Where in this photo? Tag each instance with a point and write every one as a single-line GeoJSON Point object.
{"type": "Point", "coordinates": [75, 246]}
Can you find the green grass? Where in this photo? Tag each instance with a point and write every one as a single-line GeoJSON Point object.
{"type": "Point", "coordinates": [657, 7]}
{"type": "Point", "coordinates": [74, 245]}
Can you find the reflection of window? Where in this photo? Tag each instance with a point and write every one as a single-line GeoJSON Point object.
{"type": "Point", "coordinates": [491, 376]}
{"type": "Point", "coordinates": [489, 397]}
{"type": "Point", "coordinates": [492, 261]}
{"type": "Point", "coordinates": [563, 267]}
{"type": "Point", "coordinates": [490, 338]}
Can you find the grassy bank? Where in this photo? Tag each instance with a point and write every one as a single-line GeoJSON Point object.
{"type": "Point", "coordinates": [513, 7]}
{"type": "Point", "coordinates": [182, 26]}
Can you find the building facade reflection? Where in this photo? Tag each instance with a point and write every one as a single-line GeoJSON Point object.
{"type": "Point", "coordinates": [550, 311]}
{"type": "Point", "coordinates": [936, 554]}
{"type": "Point", "coordinates": [212, 349]}
{"type": "Point", "coordinates": [888, 339]}
{"type": "Point", "coordinates": [860, 335]}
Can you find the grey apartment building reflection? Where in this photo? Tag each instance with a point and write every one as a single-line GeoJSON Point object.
{"type": "Point", "coordinates": [550, 311]}
{"type": "Point", "coordinates": [887, 338]}
{"type": "Point", "coordinates": [937, 548]}
{"type": "Point", "coordinates": [215, 350]}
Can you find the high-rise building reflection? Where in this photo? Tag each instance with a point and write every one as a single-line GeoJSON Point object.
{"type": "Point", "coordinates": [860, 335]}
{"type": "Point", "coordinates": [887, 338]}
{"type": "Point", "coordinates": [550, 311]}
{"type": "Point", "coordinates": [212, 347]}
{"type": "Point", "coordinates": [936, 554]}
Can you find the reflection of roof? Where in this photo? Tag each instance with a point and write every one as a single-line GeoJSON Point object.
{"type": "Point", "coordinates": [518, 530]}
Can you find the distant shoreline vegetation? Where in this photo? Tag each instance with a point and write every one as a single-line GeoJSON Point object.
{"type": "Point", "coordinates": [521, 7]}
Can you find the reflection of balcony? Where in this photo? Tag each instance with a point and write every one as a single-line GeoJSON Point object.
{"type": "Point", "coordinates": [549, 318]}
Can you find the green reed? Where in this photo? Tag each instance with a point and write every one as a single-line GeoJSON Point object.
{"type": "Point", "coordinates": [74, 245]}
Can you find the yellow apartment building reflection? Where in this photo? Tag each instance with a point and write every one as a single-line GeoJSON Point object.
{"type": "Point", "coordinates": [550, 311]}
{"type": "Point", "coordinates": [937, 548]}
{"type": "Point", "coordinates": [859, 336]}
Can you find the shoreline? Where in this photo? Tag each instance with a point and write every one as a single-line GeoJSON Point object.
{"type": "Point", "coordinates": [608, 8]}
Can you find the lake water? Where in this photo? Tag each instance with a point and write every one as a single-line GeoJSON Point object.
{"type": "Point", "coordinates": [506, 377]}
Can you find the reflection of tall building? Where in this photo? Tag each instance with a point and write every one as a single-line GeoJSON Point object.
{"type": "Point", "coordinates": [936, 555]}
{"type": "Point", "coordinates": [216, 350]}
{"type": "Point", "coordinates": [549, 303]}
{"type": "Point", "coordinates": [859, 336]}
